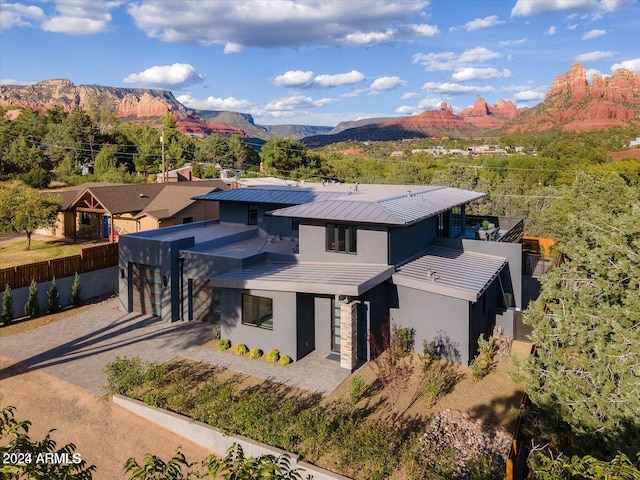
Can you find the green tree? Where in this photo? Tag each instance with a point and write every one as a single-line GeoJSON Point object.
{"type": "Point", "coordinates": [7, 306]}
{"type": "Point", "coordinates": [32, 305]}
{"type": "Point", "coordinates": [284, 156]}
{"type": "Point", "coordinates": [105, 160]}
{"type": "Point", "coordinates": [53, 297]}
{"type": "Point", "coordinates": [23, 209]}
{"type": "Point", "coordinates": [584, 380]}
{"type": "Point", "coordinates": [214, 149]}
{"type": "Point", "coordinates": [76, 137]}
{"type": "Point", "coordinates": [75, 291]}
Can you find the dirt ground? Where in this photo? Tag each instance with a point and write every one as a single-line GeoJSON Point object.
{"type": "Point", "coordinates": [105, 434]}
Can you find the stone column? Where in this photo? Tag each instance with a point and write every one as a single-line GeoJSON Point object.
{"type": "Point", "coordinates": [349, 335]}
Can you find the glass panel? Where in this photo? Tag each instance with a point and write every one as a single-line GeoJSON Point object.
{"type": "Point", "coordinates": [257, 311]}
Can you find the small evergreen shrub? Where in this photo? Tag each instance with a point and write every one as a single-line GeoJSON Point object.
{"type": "Point", "coordinates": [7, 306]}
{"type": "Point", "coordinates": [255, 353]}
{"type": "Point", "coordinates": [484, 362]}
{"type": "Point", "coordinates": [285, 360]}
{"type": "Point", "coordinates": [273, 355]}
{"type": "Point", "coordinates": [53, 297]}
{"type": "Point", "coordinates": [240, 349]}
{"type": "Point", "coordinates": [125, 374]}
{"type": "Point", "coordinates": [32, 306]}
{"type": "Point", "coordinates": [75, 291]}
{"type": "Point", "coordinates": [434, 385]}
{"type": "Point", "coordinates": [356, 389]}
{"type": "Point", "coordinates": [224, 344]}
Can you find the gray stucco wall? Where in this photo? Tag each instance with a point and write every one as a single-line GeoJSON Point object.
{"type": "Point", "coordinates": [444, 320]}
{"type": "Point", "coordinates": [407, 242]}
{"type": "Point", "coordinates": [283, 335]}
{"type": "Point", "coordinates": [323, 319]}
{"type": "Point", "coordinates": [92, 284]}
{"type": "Point", "coordinates": [372, 245]}
{"type": "Point", "coordinates": [238, 212]}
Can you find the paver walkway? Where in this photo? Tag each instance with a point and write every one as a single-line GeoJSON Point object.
{"type": "Point", "coordinates": [78, 348]}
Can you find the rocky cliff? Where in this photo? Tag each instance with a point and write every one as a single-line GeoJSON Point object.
{"type": "Point", "coordinates": [574, 104]}
{"type": "Point", "coordinates": [483, 116]}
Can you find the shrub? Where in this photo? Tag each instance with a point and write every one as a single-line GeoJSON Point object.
{"type": "Point", "coordinates": [7, 306]}
{"type": "Point", "coordinates": [484, 362]}
{"type": "Point", "coordinates": [434, 385]}
{"type": "Point", "coordinates": [124, 375]}
{"type": "Point", "coordinates": [429, 353]}
{"type": "Point", "coordinates": [285, 360]}
{"type": "Point", "coordinates": [314, 430]}
{"type": "Point", "coordinates": [273, 356]}
{"type": "Point", "coordinates": [75, 291]}
{"type": "Point", "coordinates": [255, 353]}
{"type": "Point", "coordinates": [53, 297]}
{"type": "Point", "coordinates": [240, 349]}
{"type": "Point", "coordinates": [32, 306]}
{"type": "Point", "coordinates": [356, 389]}
{"type": "Point", "coordinates": [224, 344]}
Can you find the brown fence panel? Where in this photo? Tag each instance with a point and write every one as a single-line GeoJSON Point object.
{"type": "Point", "coordinates": [101, 256]}
{"type": "Point", "coordinates": [39, 271]}
{"type": "Point", "coordinates": [65, 266]}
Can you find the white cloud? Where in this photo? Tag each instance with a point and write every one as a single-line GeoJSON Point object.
{"type": "Point", "coordinates": [591, 72]}
{"type": "Point", "coordinates": [213, 103]}
{"type": "Point", "coordinates": [409, 95]}
{"type": "Point", "coordinates": [18, 15]}
{"type": "Point", "coordinates": [456, 88]}
{"type": "Point", "coordinates": [386, 83]}
{"type": "Point", "coordinates": [480, 23]}
{"type": "Point", "coordinates": [467, 74]}
{"type": "Point", "coordinates": [527, 8]}
{"type": "Point", "coordinates": [572, 26]}
{"type": "Point", "coordinates": [294, 78]}
{"type": "Point", "coordinates": [294, 102]}
{"type": "Point", "coordinates": [551, 30]}
{"type": "Point", "coordinates": [407, 110]}
{"type": "Point", "coordinates": [593, 34]}
{"type": "Point", "coordinates": [528, 95]}
{"type": "Point", "coordinates": [508, 43]}
{"type": "Point", "coordinates": [591, 56]}
{"type": "Point", "coordinates": [177, 75]}
{"type": "Point", "coordinates": [279, 23]}
{"type": "Point", "coordinates": [633, 65]}
{"type": "Point", "coordinates": [443, 61]}
{"type": "Point", "coordinates": [80, 17]}
{"type": "Point", "coordinates": [430, 103]}
{"type": "Point", "coordinates": [340, 79]}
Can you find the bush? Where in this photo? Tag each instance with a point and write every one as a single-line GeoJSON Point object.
{"type": "Point", "coordinates": [314, 430]}
{"type": "Point", "coordinates": [240, 349]}
{"type": "Point", "coordinates": [255, 353]}
{"type": "Point", "coordinates": [75, 291]}
{"type": "Point", "coordinates": [7, 306]}
{"type": "Point", "coordinates": [273, 356]}
{"type": "Point", "coordinates": [285, 360]}
{"type": "Point", "coordinates": [224, 344]}
{"type": "Point", "coordinates": [434, 385]}
{"type": "Point", "coordinates": [125, 374]}
{"type": "Point", "coordinates": [53, 297]}
{"type": "Point", "coordinates": [484, 362]}
{"type": "Point", "coordinates": [356, 389]}
{"type": "Point", "coordinates": [32, 306]}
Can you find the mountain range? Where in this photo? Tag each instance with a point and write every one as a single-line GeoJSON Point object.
{"type": "Point", "coordinates": [571, 104]}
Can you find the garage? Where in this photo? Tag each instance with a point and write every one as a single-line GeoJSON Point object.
{"type": "Point", "coordinates": [147, 289]}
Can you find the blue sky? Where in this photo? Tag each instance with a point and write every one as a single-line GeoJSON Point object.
{"type": "Point", "coordinates": [319, 62]}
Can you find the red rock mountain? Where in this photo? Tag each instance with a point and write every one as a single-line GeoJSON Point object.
{"type": "Point", "coordinates": [573, 104]}
{"type": "Point", "coordinates": [139, 104]}
{"type": "Point", "coordinates": [485, 117]}
{"type": "Point", "coordinates": [434, 122]}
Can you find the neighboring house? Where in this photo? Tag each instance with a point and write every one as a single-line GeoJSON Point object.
{"type": "Point", "coordinates": [322, 267]}
{"type": "Point", "coordinates": [95, 210]}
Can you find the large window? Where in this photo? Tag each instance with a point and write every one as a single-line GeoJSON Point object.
{"type": "Point", "coordinates": [341, 238]}
{"type": "Point", "coordinates": [456, 221]}
{"type": "Point", "coordinates": [252, 214]}
{"type": "Point", "coordinates": [257, 311]}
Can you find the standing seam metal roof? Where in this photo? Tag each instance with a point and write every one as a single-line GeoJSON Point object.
{"type": "Point", "coordinates": [284, 196]}
{"type": "Point", "coordinates": [450, 272]}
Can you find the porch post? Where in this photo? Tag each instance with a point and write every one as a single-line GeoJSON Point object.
{"type": "Point", "coordinates": [349, 335]}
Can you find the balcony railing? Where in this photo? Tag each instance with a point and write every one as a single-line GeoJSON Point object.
{"type": "Point", "coordinates": [504, 229]}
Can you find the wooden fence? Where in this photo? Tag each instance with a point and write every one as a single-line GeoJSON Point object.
{"type": "Point", "coordinates": [91, 258]}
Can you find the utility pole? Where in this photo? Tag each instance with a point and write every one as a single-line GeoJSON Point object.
{"type": "Point", "coordinates": [162, 142]}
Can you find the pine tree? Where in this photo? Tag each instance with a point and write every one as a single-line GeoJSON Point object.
{"type": "Point", "coordinates": [53, 297]}
{"type": "Point", "coordinates": [7, 306]}
{"type": "Point", "coordinates": [32, 306]}
{"type": "Point", "coordinates": [75, 291]}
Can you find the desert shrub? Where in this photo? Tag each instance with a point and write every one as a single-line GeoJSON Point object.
{"type": "Point", "coordinates": [213, 404]}
{"type": "Point", "coordinates": [53, 297]}
{"type": "Point", "coordinates": [224, 344]}
{"type": "Point", "coordinates": [255, 353]}
{"type": "Point", "coordinates": [484, 362]}
{"type": "Point", "coordinates": [124, 375]}
{"type": "Point", "coordinates": [75, 291]}
{"type": "Point", "coordinates": [366, 448]}
{"type": "Point", "coordinates": [240, 349]}
{"type": "Point", "coordinates": [285, 360]}
{"type": "Point", "coordinates": [32, 306]}
{"type": "Point", "coordinates": [7, 306]}
{"type": "Point", "coordinates": [356, 388]}
{"type": "Point", "coordinates": [429, 353]}
{"type": "Point", "coordinates": [313, 428]}
{"type": "Point", "coordinates": [273, 355]}
{"type": "Point", "coordinates": [433, 386]}
{"type": "Point", "coordinates": [156, 375]}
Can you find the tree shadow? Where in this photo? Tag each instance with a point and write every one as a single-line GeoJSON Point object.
{"type": "Point", "coordinates": [499, 408]}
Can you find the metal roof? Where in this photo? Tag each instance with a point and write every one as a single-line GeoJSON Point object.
{"type": "Point", "coordinates": [326, 278]}
{"type": "Point", "coordinates": [397, 210]}
{"type": "Point", "coordinates": [450, 272]}
{"type": "Point", "coordinates": [281, 195]}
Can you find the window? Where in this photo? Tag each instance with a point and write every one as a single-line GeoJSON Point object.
{"type": "Point", "coordinates": [187, 220]}
{"type": "Point", "coordinates": [456, 221]}
{"type": "Point", "coordinates": [252, 218]}
{"type": "Point", "coordinates": [86, 218]}
{"type": "Point", "coordinates": [443, 225]}
{"type": "Point", "coordinates": [295, 224]}
{"type": "Point", "coordinates": [215, 305]}
{"type": "Point", "coordinates": [341, 238]}
{"type": "Point", "coordinates": [257, 311]}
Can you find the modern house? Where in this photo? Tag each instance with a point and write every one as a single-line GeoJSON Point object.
{"type": "Point", "coordinates": [324, 266]}
{"type": "Point", "coordinates": [96, 210]}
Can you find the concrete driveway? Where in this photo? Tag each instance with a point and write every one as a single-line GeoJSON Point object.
{"type": "Point", "coordinates": [78, 348]}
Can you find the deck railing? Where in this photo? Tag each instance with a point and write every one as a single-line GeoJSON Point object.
{"type": "Point", "coordinates": [89, 259]}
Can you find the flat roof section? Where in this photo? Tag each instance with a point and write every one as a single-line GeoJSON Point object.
{"type": "Point", "coordinates": [323, 278]}
{"type": "Point", "coordinates": [450, 272]}
{"type": "Point", "coordinates": [201, 231]}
